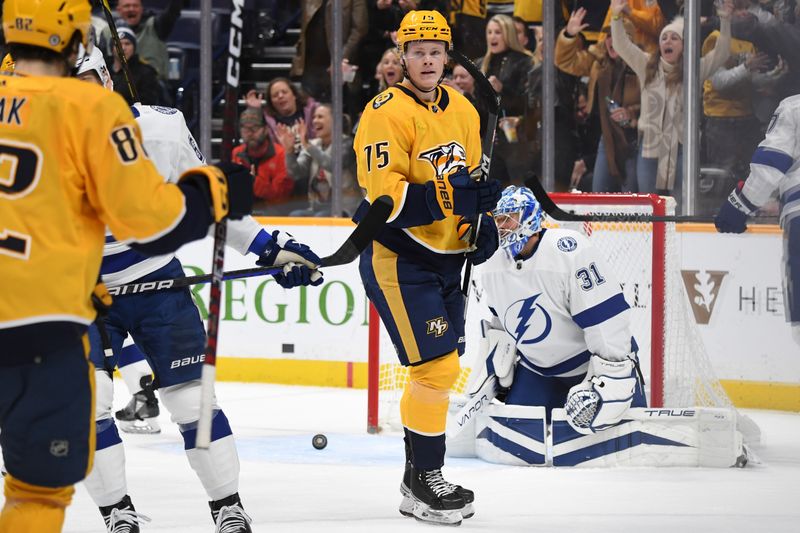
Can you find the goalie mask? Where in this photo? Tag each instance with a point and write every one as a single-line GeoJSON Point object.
{"type": "Point", "coordinates": [518, 216]}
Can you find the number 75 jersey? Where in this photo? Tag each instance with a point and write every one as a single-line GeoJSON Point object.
{"type": "Point", "coordinates": [561, 305]}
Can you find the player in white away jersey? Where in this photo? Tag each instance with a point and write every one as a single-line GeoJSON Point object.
{"type": "Point", "coordinates": [560, 307]}
{"type": "Point", "coordinates": [167, 326]}
{"type": "Point", "coordinates": [775, 166]}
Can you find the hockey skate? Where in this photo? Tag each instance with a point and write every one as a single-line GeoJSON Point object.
{"type": "Point", "coordinates": [435, 501]}
{"type": "Point", "coordinates": [407, 504]}
{"type": "Point", "coordinates": [122, 517]}
{"type": "Point", "coordinates": [229, 516]}
{"type": "Point", "coordinates": [140, 415]}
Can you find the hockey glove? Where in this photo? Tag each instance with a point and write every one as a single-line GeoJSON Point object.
{"type": "Point", "coordinates": [602, 399]}
{"type": "Point", "coordinates": [487, 241]}
{"type": "Point", "coordinates": [299, 262]}
{"type": "Point", "coordinates": [732, 216]}
{"type": "Point", "coordinates": [229, 188]}
{"type": "Point", "coordinates": [471, 196]}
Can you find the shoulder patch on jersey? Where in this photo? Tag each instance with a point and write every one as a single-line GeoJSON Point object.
{"type": "Point", "coordinates": [567, 244]}
{"type": "Point", "coordinates": [381, 99]}
{"type": "Point", "coordinates": [197, 151]}
{"type": "Point", "coordinates": [164, 110]}
{"type": "Point", "coordinates": [772, 122]}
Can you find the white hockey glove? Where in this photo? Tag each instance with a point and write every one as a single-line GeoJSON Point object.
{"type": "Point", "coordinates": [601, 400]}
{"type": "Point", "coordinates": [300, 264]}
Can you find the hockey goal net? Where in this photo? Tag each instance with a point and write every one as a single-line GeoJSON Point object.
{"type": "Point", "coordinates": [646, 259]}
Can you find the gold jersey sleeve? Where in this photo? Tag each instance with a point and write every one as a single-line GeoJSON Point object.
{"type": "Point", "coordinates": [402, 140]}
{"type": "Point", "coordinates": [71, 163]}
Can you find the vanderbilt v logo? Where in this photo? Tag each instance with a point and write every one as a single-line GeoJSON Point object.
{"type": "Point", "coordinates": [703, 289]}
{"type": "Point", "coordinates": [437, 326]}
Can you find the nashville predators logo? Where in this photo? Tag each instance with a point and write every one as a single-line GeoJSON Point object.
{"type": "Point", "coordinates": [437, 326]}
{"type": "Point", "coordinates": [445, 159]}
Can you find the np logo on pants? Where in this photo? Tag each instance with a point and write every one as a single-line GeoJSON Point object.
{"type": "Point", "coordinates": [437, 326]}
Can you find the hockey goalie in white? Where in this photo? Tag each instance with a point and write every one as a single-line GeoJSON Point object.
{"type": "Point", "coordinates": [558, 351]}
{"type": "Point", "coordinates": [555, 300]}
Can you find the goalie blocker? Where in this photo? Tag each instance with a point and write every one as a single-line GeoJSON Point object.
{"type": "Point", "coordinates": [517, 435]}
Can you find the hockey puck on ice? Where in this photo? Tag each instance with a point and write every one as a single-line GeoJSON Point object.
{"type": "Point", "coordinates": [319, 441]}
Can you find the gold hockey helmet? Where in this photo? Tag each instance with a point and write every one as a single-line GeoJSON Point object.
{"type": "Point", "coordinates": [47, 23]}
{"type": "Point", "coordinates": [423, 26]}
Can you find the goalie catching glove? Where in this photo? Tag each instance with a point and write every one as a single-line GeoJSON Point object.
{"type": "Point", "coordinates": [299, 263]}
{"type": "Point", "coordinates": [602, 399]}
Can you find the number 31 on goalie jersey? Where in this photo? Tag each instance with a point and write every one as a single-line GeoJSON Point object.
{"type": "Point", "coordinates": [589, 277]}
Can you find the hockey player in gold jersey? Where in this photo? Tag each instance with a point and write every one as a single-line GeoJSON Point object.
{"type": "Point", "coordinates": [71, 162]}
{"type": "Point", "coordinates": [416, 143]}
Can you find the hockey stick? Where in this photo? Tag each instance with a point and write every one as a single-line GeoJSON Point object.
{"type": "Point", "coordinates": [364, 233]}
{"type": "Point", "coordinates": [359, 239]}
{"type": "Point", "coordinates": [118, 47]}
{"type": "Point", "coordinates": [552, 209]}
{"type": "Point", "coordinates": [209, 372]}
{"type": "Point", "coordinates": [232, 78]}
{"type": "Point", "coordinates": [492, 100]}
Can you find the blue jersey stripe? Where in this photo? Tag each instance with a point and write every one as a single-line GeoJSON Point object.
{"type": "Point", "coordinates": [601, 312]}
{"type": "Point", "coordinates": [772, 158]}
{"type": "Point", "coordinates": [561, 368]}
{"type": "Point", "coordinates": [119, 262]}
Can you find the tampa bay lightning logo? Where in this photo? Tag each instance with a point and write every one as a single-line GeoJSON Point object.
{"type": "Point", "coordinates": [527, 321]}
{"type": "Point", "coordinates": [567, 244]}
{"type": "Point", "coordinates": [164, 110]}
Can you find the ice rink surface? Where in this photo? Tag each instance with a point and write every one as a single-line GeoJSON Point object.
{"type": "Point", "coordinates": [352, 485]}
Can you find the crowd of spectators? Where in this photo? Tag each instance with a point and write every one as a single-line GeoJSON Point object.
{"type": "Point", "coordinates": [619, 88]}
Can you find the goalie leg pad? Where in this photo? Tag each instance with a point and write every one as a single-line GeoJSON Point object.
{"type": "Point", "coordinates": [653, 437]}
{"type": "Point", "coordinates": [512, 435]}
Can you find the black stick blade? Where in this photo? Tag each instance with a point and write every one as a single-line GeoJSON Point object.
{"type": "Point", "coordinates": [369, 228]}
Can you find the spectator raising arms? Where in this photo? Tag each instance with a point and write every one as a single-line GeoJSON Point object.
{"type": "Point", "coordinates": [145, 78]}
{"type": "Point", "coordinates": [660, 76]}
{"type": "Point", "coordinates": [264, 157]}
{"type": "Point", "coordinates": [151, 30]}
{"type": "Point", "coordinates": [312, 165]}
{"type": "Point", "coordinates": [613, 94]}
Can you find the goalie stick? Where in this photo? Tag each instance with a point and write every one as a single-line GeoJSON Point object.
{"type": "Point", "coordinates": [359, 239]}
{"type": "Point", "coordinates": [492, 100]}
{"type": "Point", "coordinates": [118, 47]}
{"type": "Point", "coordinates": [554, 211]}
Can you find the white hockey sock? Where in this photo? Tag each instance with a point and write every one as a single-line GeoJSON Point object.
{"type": "Point", "coordinates": [217, 467]}
{"type": "Point", "coordinates": [106, 483]}
{"type": "Point", "coordinates": [132, 367]}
